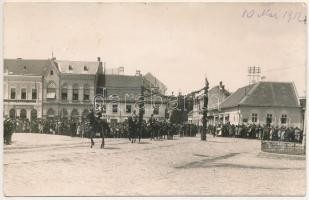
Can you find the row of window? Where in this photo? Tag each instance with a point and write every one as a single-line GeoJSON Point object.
{"type": "Point", "coordinates": [75, 113]}
{"type": "Point", "coordinates": [51, 92]}
{"type": "Point", "coordinates": [23, 114]}
{"type": "Point", "coordinates": [86, 69]}
{"type": "Point", "coordinates": [75, 94]}
{"type": "Point", "coordinates": [23, 93]}
{"type": "Point", "coordinates": [269, 118]}
{"type": "Point", "coordinates": [128, 109]}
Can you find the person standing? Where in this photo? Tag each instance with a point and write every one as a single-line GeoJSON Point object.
{"type": "Point", "coordinates": [132, 122]}
{"type": "Point", "coordinates": [151, 122]}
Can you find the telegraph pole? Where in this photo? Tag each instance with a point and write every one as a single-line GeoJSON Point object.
{"type": "Point", "coordinates": [203, 134]}
{"type": "Point", "coordinates": [141, 108]}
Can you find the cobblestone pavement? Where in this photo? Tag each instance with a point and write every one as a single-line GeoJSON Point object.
{"type": "Point", "coordinates": [52, 165]}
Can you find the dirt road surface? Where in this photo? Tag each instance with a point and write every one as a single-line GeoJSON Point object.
{"type": "Point", "coordinates": [53, 165]}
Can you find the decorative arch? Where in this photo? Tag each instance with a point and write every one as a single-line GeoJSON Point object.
{"type": "Point", "coordinates": [50, 112]}
{"type": "Point", "coordinates": [74, 114]}
{"type": "Point", "coordinates": [23, 114]}
{"type": "Point", "coordinates": [12, 113]}
{"type": "Point", "coordinates": [51, 85]}
{"type": "Point", "coordinates": [51, 90]}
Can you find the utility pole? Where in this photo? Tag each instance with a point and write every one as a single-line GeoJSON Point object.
{"type": "Point", "coordinates": [141, 107]}
{"type": "Point", "coordinates": [203, 134]}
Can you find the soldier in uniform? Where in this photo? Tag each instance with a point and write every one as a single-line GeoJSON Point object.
{"type": "Point", "coordinates": [152, 122]}
{"type": "Point", "coordinates": [132, 122]}
{"type": "Point", "coordinates": [93, 125]}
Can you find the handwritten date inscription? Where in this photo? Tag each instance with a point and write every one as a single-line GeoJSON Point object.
{"type": "Point", "coordinates": [287, 15]}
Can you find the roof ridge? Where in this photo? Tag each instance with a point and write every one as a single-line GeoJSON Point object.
{"type": "Point", "coordinates": [295, 93]}
{"type": "Point", "coordinates": [227, 98]}
{"type": "Point", "coordinates": [80, 61]}
{"type": "Point", "coordinates": [22, 59]}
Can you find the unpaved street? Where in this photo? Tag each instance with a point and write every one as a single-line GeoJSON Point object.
{"type": "Point", "coordinates": [40, 165]}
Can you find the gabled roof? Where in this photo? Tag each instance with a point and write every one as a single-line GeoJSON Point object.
{"type": "Point", "coordinates": [216, 94]}
{"type": "Point", "coordinates": [30, 67]}
{"type": "Point", "coordinates": [155, 82]}
{"type": "Point", "coordinates": [77, 67]}
{"type": "Point", "coordinates": [274, 94]}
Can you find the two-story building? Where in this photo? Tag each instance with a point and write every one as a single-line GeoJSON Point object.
{"type": "Point", "coordinates": [122, 94]}
{"type": "Point", "coordinates": [216, 95]}
{"type": "Point", "coordinates": [22, 87]}
{"type": "Point", "coordinates": [69, 88]}
{"type": "Point", "coordinates": [66, 89]}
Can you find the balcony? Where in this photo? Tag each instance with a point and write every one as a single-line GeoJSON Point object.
{"type": "Point", "coordinates": [20, 100]}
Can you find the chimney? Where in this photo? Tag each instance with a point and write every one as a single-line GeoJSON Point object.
{"type": "Point", "coordinates": [138, 73]}
{"type": "Point", "coordinates": [121, 70]}
{"type": "Point", "coordinates": [25, 69]}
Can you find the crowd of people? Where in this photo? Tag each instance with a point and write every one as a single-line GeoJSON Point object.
{"type": "Point", "coordinates": [154, 128]}
{"type": "Point", "coordinates": [149, 128]}
{"type": "Point", "coordinates": [257, 131]}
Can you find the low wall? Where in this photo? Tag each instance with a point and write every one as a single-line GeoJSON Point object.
{"type": "Point", "coordinates": [283, 147]}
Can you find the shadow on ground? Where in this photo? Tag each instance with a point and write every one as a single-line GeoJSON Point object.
{"type": "Point", "coordinates": [210, 163]}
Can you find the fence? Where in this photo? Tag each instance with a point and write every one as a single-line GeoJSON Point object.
{"type": "Point", "coordinates": [283, 147]}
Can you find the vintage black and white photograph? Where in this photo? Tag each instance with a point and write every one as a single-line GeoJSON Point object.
{"type": "Point", "coordinates": [154, 99]}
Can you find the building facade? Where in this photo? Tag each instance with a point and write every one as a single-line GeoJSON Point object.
{"type": "Point", "coordinates": [66, 89]}
{"type": "Point", "coordinates": [216, 95]}
{"type": "Point", "coordinates": [69, 88]}
{"type": "Point", "coordinates": [122, 94]}
{"type": "Point", "coordinates": [274, 103]}
{"type": "Point", "coordinates": [22, 87]}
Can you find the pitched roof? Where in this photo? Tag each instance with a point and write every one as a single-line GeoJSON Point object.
{"type": "Point", "coordinates": [123, 84]}
{"type": "Point", "coordinates": [155, 82]}
{"type": "Point", "coordinates": [77, 67]}
{"type": "Point", "coordinates": [274, 94]}
{"type": "Point", "coordinates": [30, 67]}
{"type": "Point", "coordinates": [216, 94]}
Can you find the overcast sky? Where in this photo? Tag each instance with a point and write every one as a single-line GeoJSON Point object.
{"type": "Point", "coordinates": [178, 43]}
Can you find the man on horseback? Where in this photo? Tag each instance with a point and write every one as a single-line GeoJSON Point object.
{"type": "Point", "coordinates": [132, 122]}
{"type": "Point", "coordinates": [93, 125]}
{"type": "Point", "coordinates": [97, 125]}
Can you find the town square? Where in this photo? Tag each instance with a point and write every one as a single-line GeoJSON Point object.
{"type": "Point", "coordinates": [64, 166]}
{"type": "Point", "coordinates": [154, 99]}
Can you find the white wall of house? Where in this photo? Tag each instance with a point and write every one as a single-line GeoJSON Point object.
{"type": "Point", "coordinates": [22, 82]}
{"type": "Point", "coordinates": [236, 116]}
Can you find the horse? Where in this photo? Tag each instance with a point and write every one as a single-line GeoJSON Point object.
{"type": "Point", "coordinates": [103, 128]}
{"type": "Point", "coordinates": [97, 125]}
{"type": "Point", "coordinates": [135, 129]}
